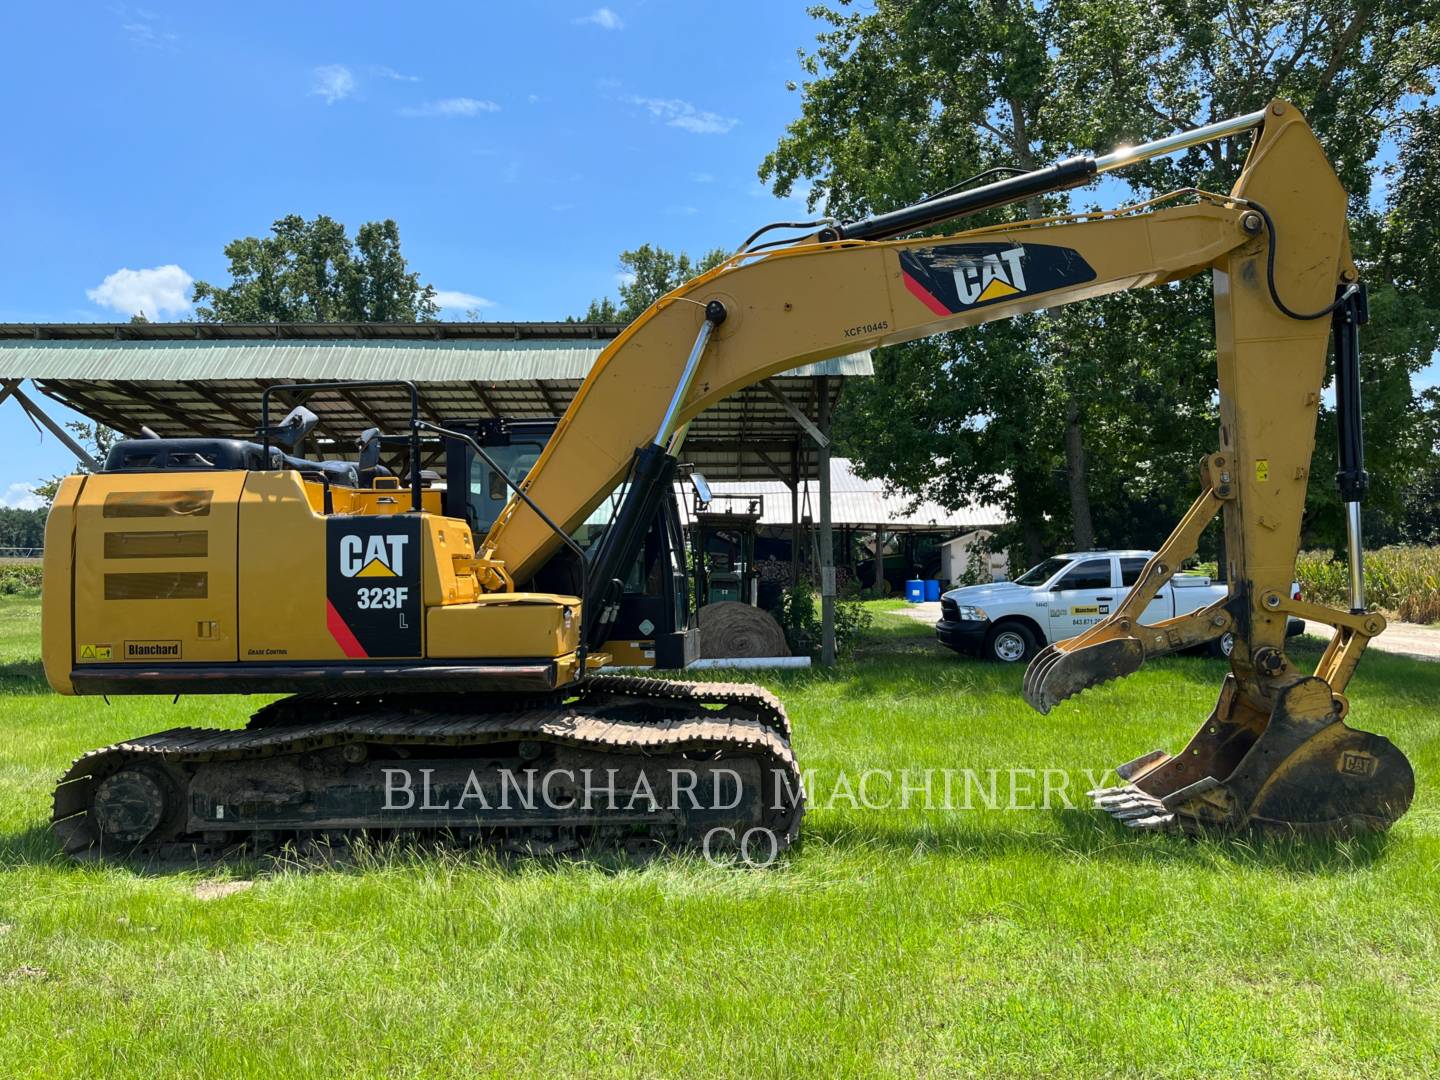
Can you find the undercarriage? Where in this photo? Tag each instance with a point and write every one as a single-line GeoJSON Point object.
{"type": "Point", "coordinates": [621, 763]}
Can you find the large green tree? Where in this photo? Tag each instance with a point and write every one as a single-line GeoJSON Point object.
{"type": "Point", "coordinates": [311, 271]}
{"type": "Point", "coordinates": [1105, 407]}
{"type": "Point", "coordinates": [646, 274]}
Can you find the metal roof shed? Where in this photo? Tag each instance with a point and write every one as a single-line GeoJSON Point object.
{"type": "Point", "coordinates": [206, 379]}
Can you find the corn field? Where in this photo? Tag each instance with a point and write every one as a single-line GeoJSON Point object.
{"type": "Point", "coordinates": [1402, 581]}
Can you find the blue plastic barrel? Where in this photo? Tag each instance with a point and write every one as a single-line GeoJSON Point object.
{"type": "Point", "coordinates": [932, 590]}
{"type": "Point", "coordinates": [915, 591]}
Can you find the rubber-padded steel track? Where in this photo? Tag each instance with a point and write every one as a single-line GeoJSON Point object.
{"type": "Point", "coordinates": [632, 723]}
{"type": "Point", "coordinates": [740, 699]}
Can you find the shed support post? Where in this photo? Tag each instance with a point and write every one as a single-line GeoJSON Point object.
{"type": "Point", "coordinates": [879, 560]}
{"type": "Point", "coordinates": [827, 536]}
{"type": "Point", "coordinates": [12, 389]}
{"type": "Point", "coordinates": [795, 514]}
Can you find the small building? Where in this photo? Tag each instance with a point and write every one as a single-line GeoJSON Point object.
{"type": "Point", "coordinates": [919, 538]}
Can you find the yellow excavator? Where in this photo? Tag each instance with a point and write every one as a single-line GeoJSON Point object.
{"type": "Point", "coordinates": [446, 676]}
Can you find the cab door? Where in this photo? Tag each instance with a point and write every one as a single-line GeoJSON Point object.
{"type": "Point", "coordinates": [1082, 596]}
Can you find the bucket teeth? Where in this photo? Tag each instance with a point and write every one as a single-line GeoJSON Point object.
{"type": "Point", "coordinates": [1136, 808]}
{"type": "Point", "coordinates": [1059, 673]}
{"type": "Point", "coordinates": [1155, 821]}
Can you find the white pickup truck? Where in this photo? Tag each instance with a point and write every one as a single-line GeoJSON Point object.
{"type": "Point", "coordinates": [1011, 621]}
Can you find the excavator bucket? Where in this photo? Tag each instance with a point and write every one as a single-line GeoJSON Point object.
{"type": "Point", "coordinates": [1298, 770]}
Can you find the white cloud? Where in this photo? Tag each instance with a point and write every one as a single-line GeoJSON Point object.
{"type": "Point", "coordinates": [682, 210]}
{"type": "Point", "coordinates": [683, 115]}
{"type": "Point", "coordinates": [383, 72]}
{"type": "Point", "coordinates": [144, 29]}
{"type": "Point", "coordinates": [148, 37]}
{"type": "Point", "coordinates": [21, 497]}
{"type": "Point", "coordinates": [333, 82]}
{"type": "Point", "coordinates": [453, 300]}
{"type": "Point", "coordinates": [455, 106]}
{"type": "Point", "coordinates": [161, 290]}
{"type": "Point", "coordinates": [703, 177]}
{"type": "Point", "coordinates": [603, 18]}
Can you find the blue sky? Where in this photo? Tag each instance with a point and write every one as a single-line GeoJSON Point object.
{"type": "Point", "coordinates": [519, 146]}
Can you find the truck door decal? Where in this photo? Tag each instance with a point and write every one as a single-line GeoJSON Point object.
{"type": "Point", "coordinates": [372, 585]}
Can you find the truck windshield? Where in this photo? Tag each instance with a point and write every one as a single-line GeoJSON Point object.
{"type": "Point", "coordinates": [1038, 575]}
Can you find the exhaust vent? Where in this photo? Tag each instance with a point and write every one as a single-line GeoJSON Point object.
{"type": "Point", "coordinates": [176, 586]}
{"type": "Point", "coordinates": [156, 504]}
{"type": "Point", "coordinates": [157, 545]}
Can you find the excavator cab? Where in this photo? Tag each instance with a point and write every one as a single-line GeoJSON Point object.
{"type": "Point", "coordinates": [653, 625]}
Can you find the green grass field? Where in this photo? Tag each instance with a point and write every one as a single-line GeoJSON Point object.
{"type": "Point", "coordinates": [889, 942]}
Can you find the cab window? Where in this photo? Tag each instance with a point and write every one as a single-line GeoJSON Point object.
{"type": "Point", "coordinates": [1130, 571]}
{"type": "Point", "coordinates": [1090, 574]}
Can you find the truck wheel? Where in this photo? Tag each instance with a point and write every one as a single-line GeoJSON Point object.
{"type": "Point", "coordinates": [1223, 646]}
{"type": "Point", "coordinates": [1010, 643]}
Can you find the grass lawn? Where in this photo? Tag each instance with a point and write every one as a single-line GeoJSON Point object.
{"type": "Point", "coordinates": [890, 941]}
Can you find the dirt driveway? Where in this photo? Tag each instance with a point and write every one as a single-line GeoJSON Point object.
{"type": "Point", "coordinates": [1404, 639]}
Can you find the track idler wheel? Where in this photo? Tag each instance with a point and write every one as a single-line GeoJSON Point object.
{"type": "Point", "coordinates": [1299, 770]}
{"type": "Point", "coordinates": [129, 806]}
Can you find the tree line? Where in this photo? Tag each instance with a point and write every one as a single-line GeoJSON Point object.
{"type": "Point", "coordinates": [21, 528]}
{"type": "Point", "coordinates": [1087, 422]}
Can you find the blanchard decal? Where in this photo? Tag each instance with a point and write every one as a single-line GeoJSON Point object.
{"type": "Point", "coordinates": [1085, 609]}
{"type": "Point", "coordinates": [153, 650]}
{"type": "Point", "coordinates": [952, 278]}
{"type": "Point", "coordinates": [372, 585]}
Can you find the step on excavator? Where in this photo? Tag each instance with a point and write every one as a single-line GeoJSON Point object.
{"type": "Point", "coordinates": [446, 668]}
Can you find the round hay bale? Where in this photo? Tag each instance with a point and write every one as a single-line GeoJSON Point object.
{"type": "Point", "coordinates": [732, 629]}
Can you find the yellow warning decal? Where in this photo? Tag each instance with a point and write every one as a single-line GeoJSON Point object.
{"type": "Point", "coordinates": [1262, 471]}
{"type": "Point", "coordinates": [96, 652]}
{"type": "Point", "coordinates": [376, 568]}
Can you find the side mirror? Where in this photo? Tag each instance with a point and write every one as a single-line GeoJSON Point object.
{"type": "Point", "coordinates": [702, 488]}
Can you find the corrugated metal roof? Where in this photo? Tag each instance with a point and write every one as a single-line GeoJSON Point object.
{"type": "Point", "coordinates": [295, 359]}
{"type": "Point", "coordinates": [164, 377]}
{"type": "Point", "coordinates": [854, 501]}
{"type": "Point", "coordinates": [210, 331]}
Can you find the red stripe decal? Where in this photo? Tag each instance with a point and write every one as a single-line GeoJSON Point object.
{"type": "Point", "coordinates": [924, 295]}
{"type": "Point", "coordinates": [343, 635]}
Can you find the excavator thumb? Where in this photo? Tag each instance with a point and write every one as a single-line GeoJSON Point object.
{"type": "Point", "coordinates": [1119, 643]}
{"type": "Point", "coordinates": [1059, 672]}
{"type": "Point", "coordinates": [1301, 769]}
